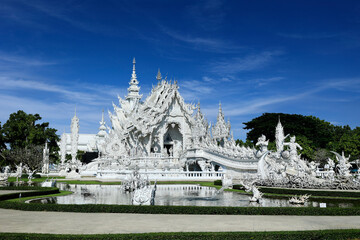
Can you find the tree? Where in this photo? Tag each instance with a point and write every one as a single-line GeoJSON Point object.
{"type": "Point", "coordinates": [307, 151]}
{"type": "Point", "coordinates": [22, 130]}
{"type": "Point", "coordinates": [31, 156]}
{"type": "Point", "coordinates": [2, 147]}
{"type": "Point", "coordinates": [322, 156]}
{"type": "Point", "coordinates": [316, 136]}
{"type": "Point", "coordinates": [319, 132]}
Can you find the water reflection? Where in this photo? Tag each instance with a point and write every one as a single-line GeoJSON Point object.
{"type": "Point", "coordinates": [175, 195]}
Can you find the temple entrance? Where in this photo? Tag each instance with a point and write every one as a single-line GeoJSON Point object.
{"type": "Point", "coordinates": [173, 140]}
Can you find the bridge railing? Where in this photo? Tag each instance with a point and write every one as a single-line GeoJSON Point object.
{"type": "Point", "coordinates": [163, 175]}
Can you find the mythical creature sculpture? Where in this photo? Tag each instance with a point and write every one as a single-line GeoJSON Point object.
{"type": "Point", "coordinates": [293, 146]}
{"type": "Point", "coordinates": [263, 143]}
{"type": "Point", "coordinates": [251, 187]}
{"type": "Point", "coordinates": [343, 164]}
{"type": "Point", "coordinates": [302, 199]}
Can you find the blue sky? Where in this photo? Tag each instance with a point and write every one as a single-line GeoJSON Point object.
{"type": "Point", "coordinates": [298, 57]}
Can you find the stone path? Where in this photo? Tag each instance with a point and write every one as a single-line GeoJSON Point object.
{"type": "Point", "coordinates": [102, 223]}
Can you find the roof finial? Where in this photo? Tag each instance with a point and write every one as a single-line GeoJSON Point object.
{"type": "Point", "coordinates": [133, 76]}
{"type": "Point", "coordinates": [220, 109]}
{"type": "Point", "coordinates": [102, 116]}
{"type": "Point", "coordinates": [158, 77]}
{"type": "Point", "coordinates": [75, 111]}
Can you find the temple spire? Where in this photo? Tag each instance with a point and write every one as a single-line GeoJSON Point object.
{"type": "Point", "coordinates": [158, 77]}
{"type": "Point", "coordinates": [133, 75]}
{"type": "Point", "coordinates": [133, 90]}
{"type": "Point", "coordinates": [102, 128]}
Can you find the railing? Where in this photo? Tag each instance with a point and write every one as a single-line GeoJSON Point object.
{"type": "Point", "coordinates": [163, 175]}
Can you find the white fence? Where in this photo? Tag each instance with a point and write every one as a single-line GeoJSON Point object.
{"type": "Point", "coordinates": [164, 175]}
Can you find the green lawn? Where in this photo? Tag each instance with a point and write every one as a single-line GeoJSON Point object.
{"type": "Point", "coordinates": [22, 200]}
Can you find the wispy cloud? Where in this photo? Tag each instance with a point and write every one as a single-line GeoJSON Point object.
{"type": "Point", "coordinates": [92, 97]}
{"type": "Point", "coordinates": [194, 90]}
{"type": "Point", "coordinates": [265, 81]}
{"type": "Point", "coordinates": [201, 43]}
{"type": "Point", "coordinates": [21, 60]}
{"type": "Point", "coordinates": [64, 11]}
{"type": "Point", "coordinates": [242, 64]}
{"type": "Point", "coordinates": [264, 103]}
{"type": "Point", "coordinates": [310, 36]}
{"type": "Point", "coordinates": [58, 113]}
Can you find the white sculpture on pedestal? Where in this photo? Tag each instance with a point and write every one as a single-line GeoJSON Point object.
{"type": "Point", "coordinates": [74, 164]}
{"type": "Point", "coordinates": [46, 160]}
{"type": "Point", "coordinates": [251, 187]}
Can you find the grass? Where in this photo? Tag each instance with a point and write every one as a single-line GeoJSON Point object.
{"type": "Point", "coordinates": [22, 200]}
{"type": "Point", "coordinates": [89, 182]}
{"type": "Point", "coordinates": [286, 235]}
{"type": "Point", "coordinates": [41, 179]}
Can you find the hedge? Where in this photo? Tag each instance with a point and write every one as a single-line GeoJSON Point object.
{"type": "Point", "coordinates": [288, 235]}
{"type": "Point", "coordinates": [101, 208]}
{"type": "Point", "coordinates": [319, 192]}
{"type": "Point", "coordinates": [218, 182]}
{"type": "Point", "coordinates": [37, 192]}
{"type": "Point", "coordinates": [290, 191]}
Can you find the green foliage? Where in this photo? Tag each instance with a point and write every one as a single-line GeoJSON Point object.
{"type": "Point", "coordinates": [241, 143]}
{"type": "Point", "coordinates": [312, 133]}
{"type": "Point", "coordinates": [218, 182]}
{"type": "Point", "coordinates": [286, 235]}
{"type": "Point", "coordinates": [2, 140]}
{"type": "Point", "coordinates": [349, 194]}
{"type": "Point", "coordinates": [321, 156]}
{"type": "Point", "coordinates": [97, 208]}
{"type": "Point", "coordinates": [31, 155]}
{"type": "Point", "coordinates": [307, 145]}
{"type": "Point", "coordinates": [37, 191]}
{"type": "Point", "coordinates": [22, 130]}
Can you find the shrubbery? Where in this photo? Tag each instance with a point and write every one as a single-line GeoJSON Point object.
{"type": "Point", "coordinates": [218, 182]}
{"type": "Point", "coordinates": [311, 192]}
{"type": "Point", "coordinates": [37, 192]}
{"type": "Point", "coordinates": [180, 209]}
{"type": "Point", "coordinates": [322, 234]}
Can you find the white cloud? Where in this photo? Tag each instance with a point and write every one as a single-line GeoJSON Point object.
{"type": "Point", "coordinates": [23, 60]}
{"type": "Point", "coordinates": [247, 63]}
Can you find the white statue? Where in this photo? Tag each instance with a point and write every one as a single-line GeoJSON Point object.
{"type": "Point", "coordinates": [30, 175]}
{"type": "Point", "coordinates": [293, 146]}
{"type": "Point", "coordinates": [343, 164]}
{"type": "Point", "coordinates": [19, 170]}
{"type": "Point", "coordinates": [299, 200]}
{"type": "Point", "coordinates": [251, 187]}
{"type": "Point", "coordinates": [45, 168]}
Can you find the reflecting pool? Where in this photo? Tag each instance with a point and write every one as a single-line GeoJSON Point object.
{"type": "Point", "coordinates": [175, 195]}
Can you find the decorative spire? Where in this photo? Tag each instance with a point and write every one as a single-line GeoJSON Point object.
{"type": "Point", "coordinates": [102, 128]}
{"type": "Point", "coordinates": [158, 77]}
{"type": "Point", "coordinates": [133, 90]}
{"type": "Point", "coordinates": [102, 117]}
{"type": "Point", "coordinates": [220, 114]}
{"type": "Point", "coordinates": [133, 75]}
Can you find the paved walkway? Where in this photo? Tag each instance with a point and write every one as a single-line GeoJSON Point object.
{"type": "Point", "coordinates": [98, 223]}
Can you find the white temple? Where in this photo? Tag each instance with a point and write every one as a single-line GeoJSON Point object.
{"type": "Point", "coordinates": [165, 138]}
{"type": "Point", "coordinates": [160, 133]}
